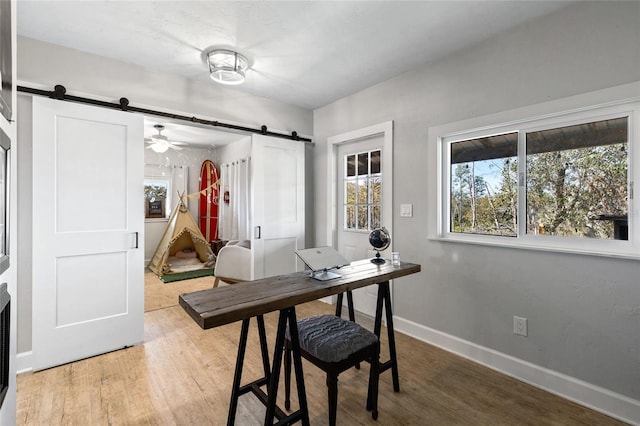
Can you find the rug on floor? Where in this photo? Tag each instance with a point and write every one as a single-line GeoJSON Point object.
{"type": "Point", "coordinates": [186, 275]}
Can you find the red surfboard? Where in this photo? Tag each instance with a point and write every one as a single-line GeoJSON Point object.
{"type": "Point", "coordinates": [209, 200]}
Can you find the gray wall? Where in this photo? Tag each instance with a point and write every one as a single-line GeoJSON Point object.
{"type": "Point", "coordinates": [583, 311]}
{"type": "Point", "coordinates": [95, 76]}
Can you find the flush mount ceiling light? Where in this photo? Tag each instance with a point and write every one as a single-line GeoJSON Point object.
{"type": "Point", "coordinates": [227, 66]}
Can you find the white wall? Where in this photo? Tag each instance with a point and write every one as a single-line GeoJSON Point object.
{"type": "Point", "coordinates": [89, 75]}
{"type": "Point", "coordinates": [583, 311]}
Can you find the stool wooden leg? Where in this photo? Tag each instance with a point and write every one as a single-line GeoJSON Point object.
{"type": "Point", "coordinates": [374, 378]}
{"type": "Point", "coordinates": [332, 384]}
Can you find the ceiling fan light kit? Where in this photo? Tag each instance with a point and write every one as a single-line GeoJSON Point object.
{"type": "Point", "coordinates": [160, 143]}
{"type": "Point", "coordinates": [159, 148]}
{"type": "Point", "coordinates": [227, 67]}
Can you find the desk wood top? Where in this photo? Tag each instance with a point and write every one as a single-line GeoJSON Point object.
{"type": "Point", "coordinates": [223, 305]}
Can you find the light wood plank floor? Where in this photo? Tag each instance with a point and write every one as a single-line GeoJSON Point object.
{"type": "Point", "coordinates": [182, 375]}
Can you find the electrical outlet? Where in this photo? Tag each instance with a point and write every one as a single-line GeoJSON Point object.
{"type": "Point", "coordinates": [520, 326]}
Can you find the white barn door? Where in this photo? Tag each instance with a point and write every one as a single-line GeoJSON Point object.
{"type": "Point", "coordinates": [88, 222]}
{"type": "Point", "coordinates": [278, 205]}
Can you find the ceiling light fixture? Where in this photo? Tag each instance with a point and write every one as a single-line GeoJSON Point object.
{"type": "Point", "coordinates": [227, 66]}
{"type": "Point", "coordinates": [159, 148]}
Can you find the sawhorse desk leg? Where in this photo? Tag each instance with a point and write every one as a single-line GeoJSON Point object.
{"type": "Point", "coordinates": [255, 385]}
{"type": "Point", "coordinates": [287, 316]}
{"type": "Point", "coordinates": [384, 300]}
{"type": "Point", "coordinates": [271, 375]}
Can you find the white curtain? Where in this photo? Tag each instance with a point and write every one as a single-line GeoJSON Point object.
{"type": "Point", "coordinates": [179, 182]}
{"type": "Point", "coordinates": [235, 217]}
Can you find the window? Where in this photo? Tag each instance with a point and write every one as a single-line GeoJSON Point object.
{"type": "Point", "coordinates": [155, 198]}
{"type": "Point", "coordinates": [362, 191]}
{"type": "Point", "coordinates": [558, 182]}
{"type": "Point", "coordinates": [162, 184]}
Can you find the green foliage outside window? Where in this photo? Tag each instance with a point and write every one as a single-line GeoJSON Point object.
{"type": "Point", "coordinates": [363, 191]}
{"type": "Point", "coordinates": [575, 178]}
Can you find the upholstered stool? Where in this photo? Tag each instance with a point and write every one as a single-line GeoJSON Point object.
{"type": "Point", "coordinates": [335, 345]}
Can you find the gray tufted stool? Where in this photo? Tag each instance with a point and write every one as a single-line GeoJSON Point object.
{"type": "Point", "coordinates": [335, 345]}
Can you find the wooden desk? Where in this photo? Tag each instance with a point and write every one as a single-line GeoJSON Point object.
{"type": "Point", "coordinates": [241, 302]}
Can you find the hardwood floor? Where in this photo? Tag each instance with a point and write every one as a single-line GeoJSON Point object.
{"type": "Point", "coordinates": [158, 295]}
{"type": "Point", "coordinates": [182, 375]}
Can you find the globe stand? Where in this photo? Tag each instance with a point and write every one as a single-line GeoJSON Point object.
{"type": "Point", "coordinates": [378, 260]}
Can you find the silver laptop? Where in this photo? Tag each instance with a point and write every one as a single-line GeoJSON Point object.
{"type": "Point", "coordinates": [320, 260]}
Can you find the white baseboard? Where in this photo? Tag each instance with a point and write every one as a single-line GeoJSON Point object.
{"type": "Point", "coordinates": [597, 398]}
{"type": "Point", "coordinates": [24, 362]}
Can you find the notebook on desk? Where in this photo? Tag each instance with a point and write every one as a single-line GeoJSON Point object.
{"type": "Point", "coordinates": [320, 260]}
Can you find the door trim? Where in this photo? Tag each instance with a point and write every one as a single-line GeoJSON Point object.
{"type": "Point", "coordinates": [386, 131]}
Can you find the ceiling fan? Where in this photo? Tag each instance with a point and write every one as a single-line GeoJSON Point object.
{"type": "Point", "coordinates": [160, 143]}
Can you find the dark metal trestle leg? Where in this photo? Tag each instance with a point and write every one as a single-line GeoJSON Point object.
{"type": "Point", "coordinates": [235, 391]}
{"type": "Point", "coordinates": [352, 312]}
{"type": "Point", "coordinates": [254, 386]}
{"type": "Point", "coordinates": [352, 315]}
{"type": "Point", "coordinates": [339, 305]}
{"type": "Point", "coordinates": [384, 300]}
{"type": "Point", "coordinates": [287, 315]}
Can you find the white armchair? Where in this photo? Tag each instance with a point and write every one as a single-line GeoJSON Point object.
{"type": "Point", "coordinates": [234, 263]}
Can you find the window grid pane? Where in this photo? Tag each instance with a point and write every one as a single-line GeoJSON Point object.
{"type": "Point", "coordinates": [362, 191]}
{"type": "Point", "coordinates": [577, 180]}
{"type": "Point", "coordinates": [483, 191]}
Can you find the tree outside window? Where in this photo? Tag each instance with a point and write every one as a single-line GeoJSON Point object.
{"type": "Point", "coordinates": [363, 191]}
{"type": "Point", "coordinates": [155, 198]}
{"type": "Point", "coordinates": [574, 178]}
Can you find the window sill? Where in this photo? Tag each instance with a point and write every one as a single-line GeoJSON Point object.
{"type": "Point", "coordinates": [517, 243]}
{"type": "Point", "coordinates": [156, 219]}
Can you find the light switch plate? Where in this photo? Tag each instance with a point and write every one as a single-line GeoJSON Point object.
{"type": "Point", "coordinates": [406, 210]}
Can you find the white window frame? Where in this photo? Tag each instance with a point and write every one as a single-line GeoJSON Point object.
{"type": "Point", "coordinates": [167, 206]}
{"type": "Point", "coordinates": [370, 204]}
{"type": "Point", "coordinates": [615, 248]}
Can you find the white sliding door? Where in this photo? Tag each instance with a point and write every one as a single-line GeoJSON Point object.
{"type": "Point", "coordinates": [88, 219]}
{"type": "Point", "coordinates": [278, 204]}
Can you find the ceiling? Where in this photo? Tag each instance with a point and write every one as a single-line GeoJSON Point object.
{"type": "Point", "coordinates": [304, 53]}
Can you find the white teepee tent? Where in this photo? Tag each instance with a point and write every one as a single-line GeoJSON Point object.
{"type": "Point", "coordinates": [181, 233]}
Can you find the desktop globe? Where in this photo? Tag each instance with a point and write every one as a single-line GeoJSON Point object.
{"type": "Point", "coordinates": [380, 240]}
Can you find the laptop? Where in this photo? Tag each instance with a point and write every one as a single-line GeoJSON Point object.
{"type": "Point", "coordinates": [320, 260]}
